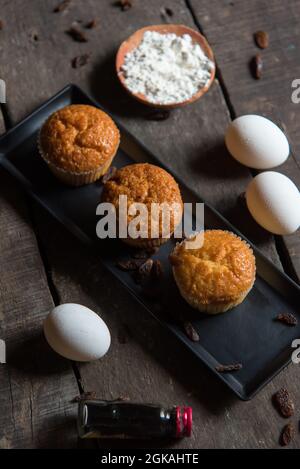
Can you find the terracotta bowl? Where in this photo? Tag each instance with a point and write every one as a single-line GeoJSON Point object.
{"type": "Point", "coordinates": [133, 41]}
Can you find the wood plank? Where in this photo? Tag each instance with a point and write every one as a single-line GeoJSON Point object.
{"type": "Point", "coordinates": [194, 146]}
{"type": "Point", "coordinates": [270, 96]}
{"type": "Point", "coordinates": [151, 365]}
{"type": "Point", "coordinates": [2, 125]}
{"type": "Point", "coordinates": [147, 364]}
{"type": "Point", "coordinates": [35, 386]}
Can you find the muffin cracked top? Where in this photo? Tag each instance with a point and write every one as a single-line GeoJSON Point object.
{"type": "Point", "coordinates": [218, 272]}
{"type": "Point", "coordinates": [147, 184]}
{"type": "Point", "coordinates": [79, 138]}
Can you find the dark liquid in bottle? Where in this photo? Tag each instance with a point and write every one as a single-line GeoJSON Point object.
{"type": "Point", "coordinates": [111, 419]}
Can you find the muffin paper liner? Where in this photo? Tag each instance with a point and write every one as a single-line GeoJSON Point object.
{"type": "Point", "coordinates": [213, 307]}
{"type": "Point", "coordinates": [75, 179]}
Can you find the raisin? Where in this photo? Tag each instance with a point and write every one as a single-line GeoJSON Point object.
{"type": "Point", "coordinates": [80, 60]}
{"type": "Point", "coordinates": [157, 270]}
{"type": "Point", "coordinates": [124, 4]}
{"type": "Point", "coordinates": [84, 396]}
{"type": "Point", "coordinates": [166, 13]}
{"type": "Point", "coordinates": [259, 66]}
{"type": "Point", "coordinates": [91, 24]}
{"type": "Point", "coordinates": [153, 251]}
{"type": "Point", "coordinates": [261, 39]}
{"type": "Point", "coordinates": [169, 11]}
{"type": "Point", "coordinates": [191, 331]}
{"type": "Point", "coordinates": [229, 368]}
{"type": "Point", "coordinates": [287, 318]}
{"type": "Point", "coordinates": [76, 34]}
{"type": "Point", "coordinates": [140, 254]}
{"type": "Point", "coordinates": [158, 115]}
{"type": "Point", "coordinates": [62, 6]}
{"type": "Point", "coordinates": [144, 271]}
{"type": "Point", "coordinates": [256, 66]}
{"type": "Point", "coordinates": [130, 264]}
{"type": "Point", "coordinates": [287, 434]}
{"type": "Point", "coordinates": [149, 277]}
{"type": "Point", "coordinates": [283, 403]}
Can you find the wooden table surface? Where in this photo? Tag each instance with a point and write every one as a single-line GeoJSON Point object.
{"type": "Point", "coordinates": [42, 264]}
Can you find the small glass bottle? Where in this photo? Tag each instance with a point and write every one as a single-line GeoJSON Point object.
{"type": "Point", "coordinates": [119, 419]}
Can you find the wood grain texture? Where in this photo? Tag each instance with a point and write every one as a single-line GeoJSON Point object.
{"type": "Point", "coordinates": [35, 385]}
{"type": "Point", "coordinates": [151, 365]}
{"type": "Point", "coordinates": [271, 95]}
{"type": "Point", "coordinates": [147, 364]}
{"type": "Point", "coordinates": [2, 125]}
{"type": "Point", "coordinates": [190, 142]}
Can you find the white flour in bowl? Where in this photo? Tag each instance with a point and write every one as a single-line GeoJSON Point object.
{"type": "Point", "coordinates": [166, 68]}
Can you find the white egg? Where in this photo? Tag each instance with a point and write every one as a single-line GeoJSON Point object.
{"type": "Point", "coordinates": [257, 142]}
{"type": "Point", "coordinates": [274, 202]}
{"type": "Point", "coordinates": [76, 332]}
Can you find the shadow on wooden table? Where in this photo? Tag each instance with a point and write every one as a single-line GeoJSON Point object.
{"type": "Point", "coordinates": [161, 369]}
{"type": "Point", "coordinates": [70, 259]}
{"type": "Point", "coordinates": [90, 283]}
{"type": "Point", "coordinates": [34, 356]}
{"type": "Point", "coordinates": [108, 91]}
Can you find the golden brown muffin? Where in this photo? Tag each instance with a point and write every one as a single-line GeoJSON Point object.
{"type": "Point", "coordinates": [146, 184]}
{"type": "Point", "coordinates": [217, 276]}
{"type": "Point", "coordinates": [78, 143]}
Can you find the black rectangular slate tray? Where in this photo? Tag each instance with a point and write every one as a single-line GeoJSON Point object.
{"type": "Point", "coordinates": [247, 334]}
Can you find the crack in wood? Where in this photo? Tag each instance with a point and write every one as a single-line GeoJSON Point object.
{"type": "Point", "coordinates": [280, 244]}
{"type": "Point", "coordinates": [219, 75]}
{"type": "Point", "coordinates": [138, 368]}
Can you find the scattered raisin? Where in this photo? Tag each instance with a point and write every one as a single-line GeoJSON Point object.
{"type": "Point", "coordinates": [144, 271]}
{"type": "Point", "coordinates": [62, 6]}
{"type": "Point", "coordinates": [256, 66]}
{"type": "Point", "coordinates": [287, 318]}
{"type": "Point", "coordinates": [157, 270]}
{"type": "Point", "coordinates": [152, 285]}
{"type": "Point", "coordinates": [166, 13]}
{"type": "Point", "coordinates": [229, 368]}
{"type": "Point", "coordinates": [158, 115]}
{"type": "Point", "coordinates": [169, 11]}
{"type": "Point", "coordinates": [34, 36]}
{"type": "Point", "coordinates": [287, 434]}
{"type": "Point", "coordinates": [191, 331]}
{"type": "Point", "coordinates": [140, 254]}
{"type": "Point", "coordinates": [130, 264]}
{"type": "Point", "coordinates": [109, 174]}
{"type": "Point", "coordinates": [124, 4]}
{"type": "Point", "coordinates": [91, 24]}
{"type": "Point", "coordinates": [84, 396]}
{"type": "Point", "coordinates": [152, 251]}
{"type": "Point", "coordinates": [123, 399]}
{"type": "Point", "coordinates": [80, 60]}
{"type": "Point", "coordinates": [261, 39]}
{"type": "Point", "coordinates": [76, 34]}
{"type": "Point", "coordinates": [283, 403]}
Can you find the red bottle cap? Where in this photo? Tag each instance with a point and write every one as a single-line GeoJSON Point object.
{"type": "Point", "coordinates": [184, 421]}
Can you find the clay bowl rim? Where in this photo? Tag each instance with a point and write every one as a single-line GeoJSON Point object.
{"type": "Point", "coordinates": [179, 29]}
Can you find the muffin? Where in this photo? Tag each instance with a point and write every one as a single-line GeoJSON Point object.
{"type": "Point", "coordinates": [78, 143]}
{"type": "Point", "coordinates": [217, 275]}
{"type": "Point", "coordinates": [145, 184]}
